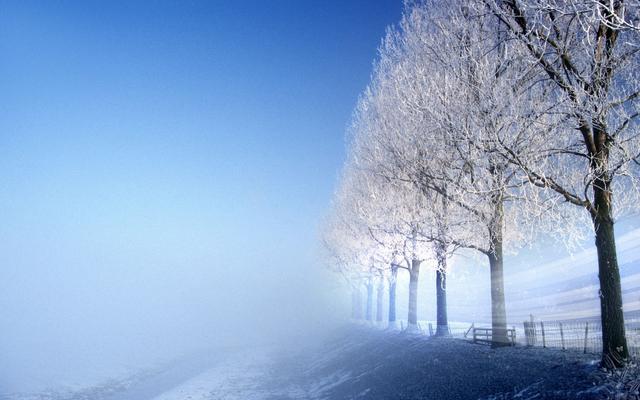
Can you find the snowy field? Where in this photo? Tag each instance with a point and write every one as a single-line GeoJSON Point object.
{"type": "Point", "coordinates": [365, 363]}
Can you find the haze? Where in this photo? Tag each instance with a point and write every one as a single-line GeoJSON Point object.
{"type": "Point", "coordinates": [168, 172]}
{"type": "Point", "coordinates": [163, 170]}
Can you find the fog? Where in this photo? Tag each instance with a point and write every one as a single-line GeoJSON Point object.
{"type": "Point", "coordinates": [119, 261]}
{"type": "Point", "coordinates": [85, 295]}
{"type": "Point", "coordinates": [163, 174]}
{"type": "Point", "coordinates": [166, 172]}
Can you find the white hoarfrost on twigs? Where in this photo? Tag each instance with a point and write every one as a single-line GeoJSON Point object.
{"type": "Point", "coordinates": [488, 125]}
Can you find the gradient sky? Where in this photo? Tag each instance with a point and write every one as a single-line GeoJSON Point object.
{"type": "Point", "coordinates": [157, 157]}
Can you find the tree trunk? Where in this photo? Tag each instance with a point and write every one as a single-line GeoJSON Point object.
{"type": "Point", "coordinates": [369, 314]}
{"type": "Point", "coordinates": [359, 303]}
{"type": "Point", "coordinates": [496, 265]}
{"type": "Point", "coordinates": [356, 298]}
{"type": "Point", "coordinates": [414, 273]}
{"type": "Point", "coordinates": [392, 297]}
{"type": "Point", "coordinates": [354, 305]}
{"type": "Point", "coordinates": [498, 309]}
{"type": "Point", "coordinates": [379, 302]}
{"type": "Point", "coordinates": [614, 342]}
{"type": "Point", "coordinates": [442, 328]}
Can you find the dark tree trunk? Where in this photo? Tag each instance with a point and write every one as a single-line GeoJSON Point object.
{"type": "Point", "coordinates": [414, 273]}
{"type": "Point", "coordinates": [369, 314]}
{"type": "Point", "coordinates": [379, 302]}
{"type": "Point", "coordinates": [614, 342]}
{"type": "Point", "coordinates": [441, 299]}
{"type": "Point", "coordinates": [392, 296]}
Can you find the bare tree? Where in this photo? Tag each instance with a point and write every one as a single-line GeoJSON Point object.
{"type": "Point", "coordinates": [587, 54]}
{"type": "Point", "coordinates": [436, 114]}
{"type": "Point", "coordinates": [393, 210]}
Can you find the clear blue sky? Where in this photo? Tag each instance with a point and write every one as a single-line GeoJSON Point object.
{"type": "Point", "coordinates": [151, 150]}
{"type": "Point", "coordinates": [227, 113]}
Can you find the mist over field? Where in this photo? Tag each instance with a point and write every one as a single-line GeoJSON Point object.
{"type": "Point", "coordinates": [85, 319]}
{"type": "Point", "coordinates": [327, 200]}
{"type": "Point", "coordinates": [163, 182]}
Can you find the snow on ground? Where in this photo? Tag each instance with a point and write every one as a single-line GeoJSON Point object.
{"type": "Point", "coordinates": [372, 364]}
{"type": "Point", "coordinates": [138, 384]}
{"type": "Point", "coordinates": [237, 376]}
{"type": "Point", "coordinates": [263, 373]}
{"type": "Point", "coordinates": [101, 390]}
{"type": "Point", "coordinates": [365, 363]}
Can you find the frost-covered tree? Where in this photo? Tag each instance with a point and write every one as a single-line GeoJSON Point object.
{"type": "Point", "coordinates": [484, 118]}
{"type": "Point", "coordinates": [435, 115]}
{"type": "Point", "coordinates": [586, 55]}
{"type": "Point", "coordinates": [341, 256]}
{"type": "Point", "coordinates": [393, 214]}
{"type": "Point", "coordinates": [352, 250]}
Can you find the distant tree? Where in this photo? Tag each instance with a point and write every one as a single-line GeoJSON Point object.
{"type": "Point", "coordinates": [352, 251]}
{"type": "Point", "coordinates": [380, 299]}
{"type": "Point", "coordinates": [391, 211]}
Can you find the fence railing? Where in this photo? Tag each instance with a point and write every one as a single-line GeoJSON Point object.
{"type": "Point", "coordinates": [575, 335]}
{"type": "Point", "coordinates": [583, 336]}
{"type": "Point", "coordinates": [428, 328]}
{"type": "Point", "coordinates": [485, 335]}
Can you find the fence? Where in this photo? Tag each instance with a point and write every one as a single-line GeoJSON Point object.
{"type": "Point", "coordinates": [428, 328]}
{"type": "Point", "coordinates": [579, 335]}
{"type": "Point", "coordinates": [575, 335]}
{"type": "Point", "coordinates": [485, 335]}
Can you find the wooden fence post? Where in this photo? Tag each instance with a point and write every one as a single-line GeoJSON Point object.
{"type": "Point", "coordinates": [533, 330]}
{"type": "Point", "coordinates": [586, 335]}
{"type": "Point", "coordinates": [544, 342]}
{"type": "Point", "coordinates": [562, 336]}
{"type": "Point", "coordinates": [469, 330]}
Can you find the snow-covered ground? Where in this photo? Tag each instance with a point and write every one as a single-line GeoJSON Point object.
{"type": "Point", "coordinates": [365, 363]}
{"type": "Point", "coordinates": [237, 376]}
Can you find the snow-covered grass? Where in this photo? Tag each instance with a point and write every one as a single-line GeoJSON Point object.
{"type": "Point", "coordinates": [125, 384]}
{"type": "Point", "coordinates": [359, 362]}
{"type": "Point", "coordinates": [395, 365]}
{"type": "Point", "coordinates": [238, 376]}
{"type": "Point", "coordinates": [622, 384]}
{"type": "Point", "coordinates": [375, 364]}
{"type": "Point", "coordinates": [103, 390]}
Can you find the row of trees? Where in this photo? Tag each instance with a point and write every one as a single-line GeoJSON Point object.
{"type": "Point", "coordinates": [486, 124]}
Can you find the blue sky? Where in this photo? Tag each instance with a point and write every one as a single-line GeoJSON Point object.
{"type": "Point", "coordinates": [234, 112]}
{"type": "Point", "coordinates": [153, 153]}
